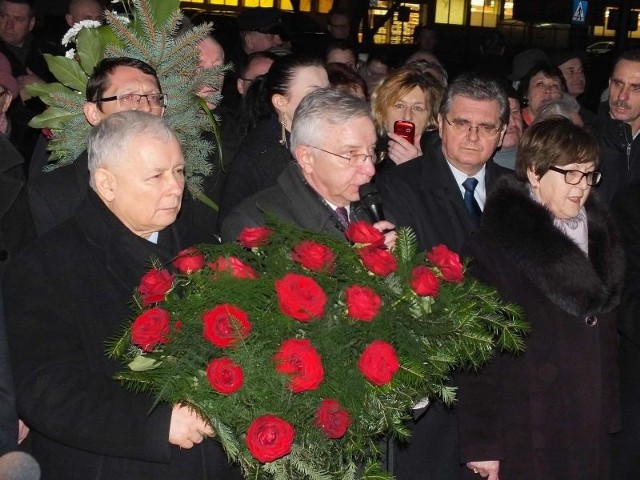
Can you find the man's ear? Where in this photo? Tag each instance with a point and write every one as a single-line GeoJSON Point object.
{"type": "Point", "coordinates": [502, 134]}
{"type": "Point", "coordinates": [105, 184]}
{"type": "Point", "coordinates": [440, 120]}
{"type": "Point", "coordinates": [69, 19]}
{"type": "Point", "coordinates": [302, 153]}
{"type": "Point", "coordinates": [92, 113]}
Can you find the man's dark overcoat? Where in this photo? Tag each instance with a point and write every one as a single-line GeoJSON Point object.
{"type": "Point", "coordinates": [423, 194]}
{"type": "Point", "coordinates": [291, 200]}
{"type": "Point", "coordinates": [65, 295]}
{"type": "Point", "coordinates": [626, 444]}
{"type": "Point", "coordinates": [546, 414]}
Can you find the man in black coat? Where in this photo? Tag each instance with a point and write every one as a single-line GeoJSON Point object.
{"type": "Point", "coordinates": [626, 209]}
{"type": "Point", "coordinates": [333, 142]}
{"type": "Point", "coordinates": [54, 196]}
{"type": "Point", "coordinates": [619, 127]}
{"type": "Point", "coordinates": [441, 195]}
{"type": "Point", "coordinates": [68, 293]}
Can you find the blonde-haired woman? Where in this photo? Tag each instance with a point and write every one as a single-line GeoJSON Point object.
{"type": "Point", "coordinates": [409, 95]}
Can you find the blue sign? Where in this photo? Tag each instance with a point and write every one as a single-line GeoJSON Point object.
{"type": "Point", "coordinates": [579, 16]}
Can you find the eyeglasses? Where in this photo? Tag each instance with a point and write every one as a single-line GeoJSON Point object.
{"type": "Point", "coordinates": [574, 177]}
{"type": "Point", "coordinates": [132, 100]}
{"type": "Point", "coordinates": [356, 159]}
{"type": "Point", "coordinates": [484, 130]}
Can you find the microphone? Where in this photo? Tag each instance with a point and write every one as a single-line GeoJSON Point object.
{"type": "Point", "coordinates": [371, 201]}
{"type": "Point", "coordinates": [19, 466]}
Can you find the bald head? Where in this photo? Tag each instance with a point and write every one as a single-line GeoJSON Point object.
{"type": "Point", "coordinates": [84, 10]}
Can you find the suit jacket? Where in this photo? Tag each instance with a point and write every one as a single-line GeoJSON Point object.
{"type": "Point", "coordinates": [423, 194]}
{"type": "Point", "coordinates": [293, 201]}
{"type": "Point", "coordinates": [65, 295]}
{"type": "Point", "coordinates": [548, 412]}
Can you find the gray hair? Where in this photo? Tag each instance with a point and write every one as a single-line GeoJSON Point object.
{"type": "Point", "coordinates": [476, 87]}
{"type": "Point", "coordinates": [109, 141]}
{"type": "Point", "coordinates": [325, 105]}
{"type": "Point", "coordinates": [565, 106]}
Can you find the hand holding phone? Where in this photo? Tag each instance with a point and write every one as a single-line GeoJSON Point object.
{"type": "Point", "coordinates": [406, 130]}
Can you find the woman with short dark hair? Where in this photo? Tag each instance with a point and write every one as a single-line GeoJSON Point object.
{"type": "Point", "coordinates": [549, 247]}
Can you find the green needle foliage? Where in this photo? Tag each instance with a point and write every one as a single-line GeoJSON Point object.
{"type": "Point", "coordinates": [461, 327]}
{"type": "Point", "coordinates": [153, 35]}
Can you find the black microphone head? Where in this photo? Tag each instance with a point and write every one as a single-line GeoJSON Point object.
{"type": "Point", "coordinates": [19, 466]}
{"type": "Point", "coordinates": [369, 194]}
{"type": "Point", "coordinates": [371, 201]}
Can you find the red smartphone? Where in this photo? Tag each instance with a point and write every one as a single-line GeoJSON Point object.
{"type": "Point", "coordinates": [405, 129]}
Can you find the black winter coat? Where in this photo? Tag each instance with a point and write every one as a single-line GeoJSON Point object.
{"type": "Point", "coordinates": [256, 166]}
{"type": "Point", "coordinates": [65, 295]}
{"type": "Point", "coordinates": [619, 156]}
{"type": "Point", "coordinates": [547, 413]}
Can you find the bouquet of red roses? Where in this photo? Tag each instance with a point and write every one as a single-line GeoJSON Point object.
{"type": "Point", "coordinates": [304, 351]}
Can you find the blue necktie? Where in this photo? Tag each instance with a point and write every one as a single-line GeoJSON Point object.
{"type": "Point", "coordinates": [469, 200]}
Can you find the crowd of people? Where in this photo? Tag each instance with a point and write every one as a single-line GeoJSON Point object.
{"type": "Point", "coordinates": [511, 170]}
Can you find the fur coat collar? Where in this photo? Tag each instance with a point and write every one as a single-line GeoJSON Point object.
{"type": "Point", "coordinates": [524, 229]}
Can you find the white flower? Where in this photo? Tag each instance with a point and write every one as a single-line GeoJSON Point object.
{"type": "Point", "coordinates": [71, 53]}
{"type": "Point", "coordinates": [71, 34]}
{"type": "Point", "coordinates": [121, 18]}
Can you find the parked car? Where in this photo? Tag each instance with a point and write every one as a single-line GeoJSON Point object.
{"type": "Point", "coordinates": [600, 48]}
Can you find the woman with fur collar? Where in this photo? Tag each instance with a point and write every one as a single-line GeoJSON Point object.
{"type": "Point", "coordinates": [548, 412]}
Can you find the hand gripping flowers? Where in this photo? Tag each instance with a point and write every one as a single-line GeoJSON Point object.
{"type": "Point", "coordinates": [302, 350]}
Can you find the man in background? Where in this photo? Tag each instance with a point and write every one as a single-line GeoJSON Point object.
{"type": "Point", "coordinates": [440, 195]}
{"type": "Point", "coordinates": [80, 10]}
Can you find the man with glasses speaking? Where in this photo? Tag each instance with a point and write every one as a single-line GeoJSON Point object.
{"type": "Point", "coordinates": [333, 141]}
{"type": "Point", "coordinates": [441, 195]}
{"type": "Point", "coordinates": [116, 85]}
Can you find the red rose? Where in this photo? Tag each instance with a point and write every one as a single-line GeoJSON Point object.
{"type": "Point", "coordinates": [225, 324]}
{"type": "Point", "coordinates": [378, 260]}
{"type": "Point", "coordinates": [189, 260]}
{"type": "Point", "coordinates": [448, 263]}
{"type": "Point", "coordinates": [269, 438]}
{"type": "Point", "coordinates": [301, 361]}
{"type": "Point", "coordinates": [234, 266]}
{"type": "Point", "coordinates": [300, 297]}
{"type": "Point", "coordinates": [332, 419]}
{"type": "Point", "coordinates": [362, 303]}
{"type": "Point", "coordinates": [362, 232]}
{"type": "Point", "coordinates": [225, 376]}
{"type": "Point", "coordinates": [379, 362]}
{"type": "Point", "coordinates": [252, 237]}
{"type": "Point", "coordinates": [424, 282]}
{"type": "Point", "coordinates": [150, 328]}
{"type": "Point", "coordinates": [154, 286]}
{"type": "Point", "coordinates": [313, 255]}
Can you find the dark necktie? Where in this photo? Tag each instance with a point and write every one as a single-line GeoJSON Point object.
{"type": "Point", "coordinates": [341, 213]}
{"type": "Point", "coordinates": [469, 200]}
